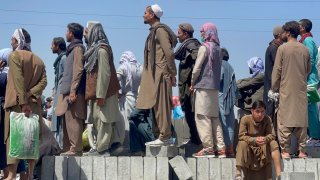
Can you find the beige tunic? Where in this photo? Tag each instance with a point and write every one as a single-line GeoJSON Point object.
{"type": "Point", "coordinates": [206, 100]}
{"type": "Point", "coordinates": [156, 87]}
{"type": "Point", "coordinates": [164, 68]}
{"type": "Point", "coordinates": [109, 112]}
{"type": "Point", "coordinates": [289, 78]}
{"type": "Point", "coordinates": [103, 117]}
{"type": "Point", "coordinates": [26, 81]}
{"type": "Point", "coordinates": [255, 160]}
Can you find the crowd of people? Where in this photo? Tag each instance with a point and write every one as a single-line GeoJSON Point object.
{"type": "Point", "coordinates": [132, 106]}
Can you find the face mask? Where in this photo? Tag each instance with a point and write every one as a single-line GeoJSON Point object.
{"type": "Point", "coordinates": [202, 39]}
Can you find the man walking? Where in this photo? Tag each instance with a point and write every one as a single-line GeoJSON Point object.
{"type": "Point", "coordinates": [289, 78]}
{"type": "Point", "coordinates": [187, 54]}
{"type": "Point", "coordinates": [158, 75]}
{"type": "Point", "coordinates": [71, 102]}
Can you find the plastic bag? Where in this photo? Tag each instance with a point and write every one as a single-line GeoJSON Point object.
{"type": "Point", "coordinates": [85, 139]}
{"type": "Point", "coordinates": [24, 136]}
{"type": "Point", "coordinates": [312, 93]}
{"type": "Point", "coordinates": [178, 113]}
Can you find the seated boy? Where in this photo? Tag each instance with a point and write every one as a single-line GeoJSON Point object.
{"type": "Point", "coordinates": [257, 146]}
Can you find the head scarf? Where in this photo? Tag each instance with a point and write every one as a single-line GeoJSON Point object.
{"type": "Point", "coordinates": [127, 59]}
{"type": "Point", "coordinates": [22, 44]}
{"type": "Point", "coordinates": [96, 38]}
{"type": "Point", "coordinates": [256, 65]}
{"type": "Point", "coordinates": [4, 56]}
{"type": "Point", "coordinates": [210, 36]}
{"type": "Point", "coordinates": [210, 33]}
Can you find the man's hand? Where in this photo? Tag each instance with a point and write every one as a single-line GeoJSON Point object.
{"type": "Point", "coordinates": [100, 101]}
{"type": "Point", "coordinates": [191, 88]}
{"type": "Point", "coordinates": [26, 109]}
{"type": "Point", "coordinates": [72, 97]}
{"type": "Point", "coordinates": [173, 81]}
{"type": "Point", "coordinates": [260, 140]}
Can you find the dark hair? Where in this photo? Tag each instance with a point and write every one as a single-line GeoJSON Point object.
{"type": "Point", "coordinates": [76, 29]}
{"type": "Point", "coordinates": [224, 54]}
{"type": "Point", "coordinates": [59, 41]}
{"type": "Point", "coordinates": [49, 99]}
{"type": "Point", "coordinates": [189, 33]}
{"type": "Point", "coordinates": [258, 104]}
{"type": "Point", "coordinates": [293, 27]}
{"type": "Point", "coordinates": [307, 24]}
{"type": "Point", "coordinates": [26, 35]}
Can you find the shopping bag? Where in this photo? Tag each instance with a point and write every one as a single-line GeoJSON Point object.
{"type": "Point", "coordinates": [312, 93]}
{"type": "Point", "coordinates": [178, 113]}
{"type": "Point", "coordinates": [24, 136]}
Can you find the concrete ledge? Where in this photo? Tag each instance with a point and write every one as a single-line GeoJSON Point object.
{"type": "Point", "coordinates": [153, 168]}
{"type": "Point", "coordinates": [297, 176]}
{"type": "Point", "coordinates": [181, 168]}
{"type": "Point", "coordinates": [162, 151]}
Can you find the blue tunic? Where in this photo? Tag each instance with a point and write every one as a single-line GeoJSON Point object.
{"type": "Point", "coordinates": [313, 113]}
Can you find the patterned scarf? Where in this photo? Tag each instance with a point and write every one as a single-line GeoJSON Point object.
{"type": "Point", "coordinates": [97, 38]}
{"type": "Point", "coordinates": [256, 65]}
{"type": "Point", "coordinates": [210, 35]}
{"type": "Point", "coordinates": [304, 36]}
{"type": "Point", "coordinates": [22, 44]}
{"type": "Point", "coordinates": [127, 59]}
{"type": "Point", "coordinates": [180, 53]}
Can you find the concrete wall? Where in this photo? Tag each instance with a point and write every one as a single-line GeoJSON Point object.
{"type": "Point", "coordinates": [158, 168]}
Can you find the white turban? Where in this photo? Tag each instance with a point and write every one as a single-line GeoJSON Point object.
{"type": "Point", "coordinates": [157, 10]}
{"type": "Point", "coordinates": [128, 59]}
{"type": "Point", "coordinates": [256, 65]}
{"type": "Point", "coordinates": [22, 44]}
